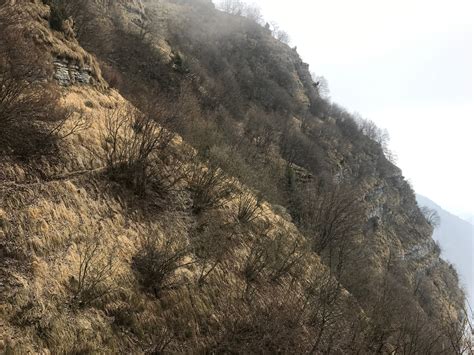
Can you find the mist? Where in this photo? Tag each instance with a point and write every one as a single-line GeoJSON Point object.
{"type": "Point", "coordinates": [407, 67]}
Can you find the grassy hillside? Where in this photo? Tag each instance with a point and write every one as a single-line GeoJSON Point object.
{"type": "Point", "coordinates": [180, 186]}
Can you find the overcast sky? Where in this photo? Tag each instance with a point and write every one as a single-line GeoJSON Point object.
{"type": "Point", "coordinates": [407, 65]}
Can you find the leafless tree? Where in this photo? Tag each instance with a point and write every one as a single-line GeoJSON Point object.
{"type": "Point", "coordinates": [74, 17]}
{"type": "Point", "coordinates": [234, 7]}
{"type": "Point", "coordinates": [285, 255]}
{"type": "Point", "coordinates": [370, 129]}
{"type": "Point", "coordinates": [253, 12]}
{"type": "Point", "coordinates": [294, 146]}
{"type": "Point", "coordinates": [321, 85]}
{"type": "Point", "coordinates": [381, 136]}
{"type": "Point", "coordinates": [272, 258]}
{"type": "Point", "coordinates": [283, 36]}
{"type": "Point", "coordinates": [332, 213]}
{"type": "Point", "coordinates": [237, 7]}
{"type": "Point", "coordinates": [279, 34]}
{"type": "Point", "coordinates": [431, 215]}
{"type": "Point", "coordinates": [259, 131]}
{"type": "Point", "coordinates": [459, 331]}
{"type": "Point", "coordinates": [145, 24]}
{"type": "Point", "coordinates": [324, 308]}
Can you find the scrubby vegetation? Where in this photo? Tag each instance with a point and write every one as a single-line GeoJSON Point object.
{"type": "Point", "coordinates": [212, 199]}
{"type": "Point", "coordinates": [30, 120]}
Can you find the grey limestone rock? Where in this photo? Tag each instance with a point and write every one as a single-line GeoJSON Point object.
{"type": "Point", "coordinates": [69, 73]}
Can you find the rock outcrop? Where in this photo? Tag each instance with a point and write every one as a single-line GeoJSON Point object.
{"type": "Point", "coordinates": [67, 72]}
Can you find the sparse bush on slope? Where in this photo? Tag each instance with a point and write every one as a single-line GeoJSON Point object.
{"type": "Point", "coordinates": [94, 271]}
{"type": "Point", "coordinates": [210, 187]}
{"type": "Point", "coordinates": [133, 145]}
{"type": "Point", "coordinates": [155, 264]}
{"type": "Point", "coordinates": [213, 244]}
{"type": "Point", "coordinates": [248, 207]}
{"type": "Point", "coordinates": [271, 258]}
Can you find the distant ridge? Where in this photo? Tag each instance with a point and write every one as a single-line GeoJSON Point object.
{"type": "Point", "coordinates": [456, 238]}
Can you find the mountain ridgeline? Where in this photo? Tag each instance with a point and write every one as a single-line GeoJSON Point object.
{"type": "Point", "coordinates": [173, 181]}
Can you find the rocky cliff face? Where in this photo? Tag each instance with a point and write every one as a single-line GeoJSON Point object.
{"type": "Point", "coordinates": [273, 223]}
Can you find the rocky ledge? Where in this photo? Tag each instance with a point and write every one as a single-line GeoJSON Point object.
{"type": "Point", "coordinates": [69, 73]}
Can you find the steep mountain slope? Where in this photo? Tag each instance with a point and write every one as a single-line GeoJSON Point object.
{"type": "Point", "coordinates": [456, 238]}
{"type": "Point", "coordinates": [70, 237]}
{"type": "Point", "coordinates": [118, 235]}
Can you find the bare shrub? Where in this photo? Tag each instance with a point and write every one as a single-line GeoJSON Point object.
{"type": "Point", "coordinates": [272, 258]}
{"type": "Point", "coordinates": [20, 96]}
{"type": "Point", "coordinates": [156, 263]}
{"type": "Point", "coordinates": [78, 12]}
{"type": "Point", "coordinates": [36, 136]}
{"type": "Point", "coordinates": [323, 299]}
{"type": "Point", "coordinates": [249, 207]}
{"type": "Point", "coordinates": [210, 187]}
{"type": "Point", "coordinates": [285, 256]}
{"type": "Point", "coordinates": [256, 262]}
{"type": "Point", "coordinates": [261, 176]}
{"type": "Point", "coordinates": [132, 144]}
{"type": "Point", "coordinates": [57, 14]}
{"type": "Point", "coordinates": [65, 122]}
{"type": "Point", "coordinates": [212, 243]}
{"type": "Point", "coordinates": [331, 214]}
{"type": "Point", "coordinates": [260, 132]}
{"type": "Point", "coordinates": [272, 324]}
{"type": "Point", "coordinates": [95, 269]}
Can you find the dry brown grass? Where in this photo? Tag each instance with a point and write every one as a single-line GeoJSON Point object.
{"type": "Point", "coordinates": [49, 223]}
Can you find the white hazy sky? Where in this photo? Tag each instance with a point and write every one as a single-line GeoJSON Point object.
{"type": "Point", "coordinates": [406, 65]}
